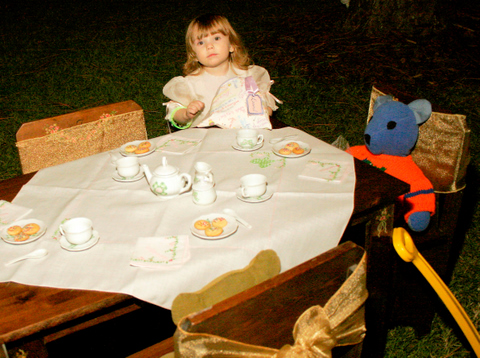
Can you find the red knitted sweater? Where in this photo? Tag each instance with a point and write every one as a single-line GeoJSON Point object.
{"type": "Point", "coordinates": [421, 196]}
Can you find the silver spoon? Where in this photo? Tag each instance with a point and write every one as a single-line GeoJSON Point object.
{"type": "Point", "coordinates": [238, 218]}
{"type": "Point", "coordinates": [32, 255]}
{"type": "Point", "coordinates": [278, 140]}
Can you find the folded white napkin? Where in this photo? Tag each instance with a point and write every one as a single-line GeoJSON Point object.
{"type": "Point", "coordinates": [166, 252]}
{"type": "Point", "coordinates": [326, 170]}
{"type": "Point", "coordinates": [177, 145]}
{"type": "Point", "coordinates": [11, 212]}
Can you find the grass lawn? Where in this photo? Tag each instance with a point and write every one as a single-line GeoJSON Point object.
{"type": "Point", "coordinates": [60, 57]}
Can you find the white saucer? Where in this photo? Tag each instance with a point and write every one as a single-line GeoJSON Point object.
{"type": "Point", "coordinates": [71, 247]}
{"type": "Point", "coordinates": [237, 147]}
{"type": "Point", "coordinates": [136, 143]}
{"type": "Point", "coordinates": [228, 230]}
{"type": "Point", "coordinates": [119, 178]}
{"type": "Point", "coordinates": [258, 199]}
{"type": "Point", "coordinates": [12, 239]}
{"type": "Point", "coordinates": [306, 149]}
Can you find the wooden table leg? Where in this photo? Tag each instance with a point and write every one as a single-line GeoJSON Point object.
{"type": "Point", "coordinates": [380, 258]}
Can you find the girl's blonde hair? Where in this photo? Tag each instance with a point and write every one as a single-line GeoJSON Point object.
{"type": "Point", "coordinates": [209, 24]}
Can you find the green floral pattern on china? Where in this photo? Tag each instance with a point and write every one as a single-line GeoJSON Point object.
{"type": "Point", "coordinates": [160, 189]}
{"type": "Point", "coordinates": [263, 160]}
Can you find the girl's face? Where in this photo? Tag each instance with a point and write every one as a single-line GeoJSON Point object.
{"type": "Point", "coordinates": [213, 52]}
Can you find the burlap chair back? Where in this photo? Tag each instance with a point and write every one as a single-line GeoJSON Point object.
{"type": "Point", "coordinates": [303, 312]}
{"type": "Point", "coordinates": [56, 140]}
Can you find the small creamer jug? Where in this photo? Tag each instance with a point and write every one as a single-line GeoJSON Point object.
{"type": "Point", "coordinates": [203, 172]}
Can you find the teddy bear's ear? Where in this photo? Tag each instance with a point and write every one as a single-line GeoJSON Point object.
{"type": "Point", "coordinates": [381, 100]}
{"type": "Point", "coordinates": [422, 110]}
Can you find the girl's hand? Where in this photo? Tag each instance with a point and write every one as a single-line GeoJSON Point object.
{"type": "Point", "coordinates": [185, 115]}
{"type": "Point", "coordinates": [193, 108]}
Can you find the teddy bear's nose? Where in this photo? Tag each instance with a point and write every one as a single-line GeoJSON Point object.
{"type": "Point", "coordinates": [391, 125]}
{"type": "Point", "coordinates": [367, 139]}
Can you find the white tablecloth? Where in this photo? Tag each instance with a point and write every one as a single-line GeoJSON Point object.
{"type": "Point", "coordinates": [303, 218]}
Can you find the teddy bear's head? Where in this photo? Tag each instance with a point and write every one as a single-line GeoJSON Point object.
{"type": "Point", "coordinates": [393, 128]}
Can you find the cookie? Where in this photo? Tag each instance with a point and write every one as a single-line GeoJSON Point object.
{"type": "Point", "coordinates": [14, 230]}
{"type": "Point", "coordinates": [31, 229]}
{"type": "Point", "coordinates": [291, 145]}
{"type": "Point", "coordinates": [130, 148]}
{"type": "Point", "coordinates": [22, 237]}
{"type": "Point", "coordinates": [201, 224]}
{"type": "Point", "coordinates": [298, 150]}
{"type": "Point", "coordinates": [285, 151]}
{"type": "Point", "coordinates": [145, 144]}
{"type": "Point", "coordinates": [213, 231]}
{"type": "Point", "coordinates": [141, 150]}
{"type": "Point", "coordinates": [219, 222]}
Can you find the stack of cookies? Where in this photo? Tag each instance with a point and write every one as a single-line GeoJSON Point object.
{"type": "Point", "coordinates": [212, 228]}
{"type": "Point", "coordinates": [23, 233]}
{"type": "Point", "coordinates": [143, 147]}
{"type": "Point", "coordinates": [291, 147]}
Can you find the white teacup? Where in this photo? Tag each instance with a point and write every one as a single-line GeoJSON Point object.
{"type": "Point", "coordinates": [77, 230]}
{"type": "Point", "coordinates": [248, 138]}
{"type": "Point", "coordinates": [128, 167]}
{"type": "Point", "coordinates": [253, 185]}
{"type": "Point", "coordinates": [203, 193]}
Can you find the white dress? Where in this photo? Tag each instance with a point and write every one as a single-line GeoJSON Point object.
{"type": "Point", "coordinates": [203, 87]}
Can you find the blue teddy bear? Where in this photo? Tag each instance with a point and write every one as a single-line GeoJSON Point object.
{"type": "Point", "coordinates": [389, 137]}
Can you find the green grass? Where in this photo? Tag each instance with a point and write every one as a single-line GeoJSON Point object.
{"type": "Point", "coordinates": [67, 56]}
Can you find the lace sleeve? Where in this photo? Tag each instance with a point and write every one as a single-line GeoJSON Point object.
{"type": "Point", "coordinates": [178, 90]}
{"type": "Point", "coordinates": [180, 95]}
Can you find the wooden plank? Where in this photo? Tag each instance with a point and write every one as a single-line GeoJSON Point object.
{"type": "Point", "coordinates": [155, 351]}
{"type": "Point", "coordinates": [117, 312]}
{"type": "Point", "coordinates": [30, 309]}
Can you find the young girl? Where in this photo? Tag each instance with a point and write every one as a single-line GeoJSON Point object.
{"type": "Point", "coordinates": [215, 54]}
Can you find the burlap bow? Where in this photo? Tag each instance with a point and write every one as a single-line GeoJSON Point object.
{"type": "Point", "coordinates": [317, 331]}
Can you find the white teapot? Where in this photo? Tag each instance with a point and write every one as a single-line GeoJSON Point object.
{"type": "Point", "coordinates": [166, 182]}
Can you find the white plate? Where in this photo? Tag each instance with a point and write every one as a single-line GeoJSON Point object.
{"type": "Point", "coordinates": [71, 247]}
{"type": "Point", "coordinates": [237, 147]}
{"type": "Point", "coordinates": [119, 178]}
{"type": "Point", "coordinates": [302, 145]}
{"type": "Point", "coordinates": [136, 143]}
{"type": "Point", "coordinates": [257, 199]}
{"type": "Point", "coordinates": [228, 230]}
{"type": "Point", "coordinates": [11, 239]}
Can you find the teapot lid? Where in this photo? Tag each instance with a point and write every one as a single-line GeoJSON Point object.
{"type": "Point", "coordinates": [165, 168]}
